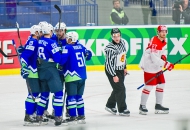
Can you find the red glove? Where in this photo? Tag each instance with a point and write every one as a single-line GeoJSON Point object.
{"type": "Point", "coordinates": [163, 57]}
{"type": "Point", "coordinates": [168, 66]}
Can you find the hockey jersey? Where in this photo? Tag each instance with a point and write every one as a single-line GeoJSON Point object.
{"type": "Point", "coordinates": [48, 50]}
{"type": "Point", "coordinates": [29, 56]}
{"type": "Point", "coordinates": [74, 67]}
{"type": "Point", "coordinates": [62, 42]}
{"type": "Point", "coordinates": [151, 61]}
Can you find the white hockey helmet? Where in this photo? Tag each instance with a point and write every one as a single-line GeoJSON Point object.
{"type": "Point", "coordinates": [62, 26]}
{"type": "Point", "coordinates": [42, 23]}
{"type": "Point", "coordinates": [35, 28]}
{"type": "Point", "coordinates": [46, 29]}
{"type": "Point", "coordinates": [51, 27]}
{"type": "Point", "coordinates": [72, 35]}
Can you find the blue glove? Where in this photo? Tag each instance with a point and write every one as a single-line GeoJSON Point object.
{"type": "Point", "coordinates": [24, 71]}
{"type": "Point", "coordinates": [88, 54]}
{"type": "Point", "coordinates": [20, 49]}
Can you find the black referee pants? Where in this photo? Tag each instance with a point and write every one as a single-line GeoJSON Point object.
{"type": "Point", "coordinates": [118, 94]}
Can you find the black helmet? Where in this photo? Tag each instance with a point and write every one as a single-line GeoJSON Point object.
{"type": "Point", "coordinates": [115, 30]}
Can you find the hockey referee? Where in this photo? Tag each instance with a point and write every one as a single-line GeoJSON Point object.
{"type": "Point", "coordinates": [115, 68]}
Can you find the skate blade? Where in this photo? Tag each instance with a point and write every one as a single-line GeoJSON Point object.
{"type": "Point", "coordinates": [43, 123]}
{"type": "Point", "coordinates": [31, 124]}
{"type": "Point", "coordinates": [72, 123]}
{"type": "Point", "coordinates": [124, 114]}
{"type": "Point", "coordinates": [110, 111]}
{"type": "Point", "coordinates": [81, 122]}
{"type": "Point", "coordinates": [142, 113]}
{"type": "Point", "coordinates": [161, 112]}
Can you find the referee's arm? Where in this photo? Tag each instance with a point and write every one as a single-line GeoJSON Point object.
{"type": "Point", "coordinates": [110, 61]}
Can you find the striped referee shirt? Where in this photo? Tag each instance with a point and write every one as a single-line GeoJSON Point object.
{"type": "Point", "coordinates": [115, 57]}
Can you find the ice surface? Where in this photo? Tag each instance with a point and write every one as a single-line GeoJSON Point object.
{"type": "Point", "coordinates": [177, 97]}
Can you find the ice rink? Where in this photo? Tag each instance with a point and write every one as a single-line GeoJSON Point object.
{"type": "Point", "coordinates": [13, 93]}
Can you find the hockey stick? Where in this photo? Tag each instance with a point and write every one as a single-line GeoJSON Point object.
{"type": "Point", "coordinates": [162, 72]}
{"type": "Point", "coordinates": [59, 10]}
{"type": "Point", "coordinates": [18, 32]}
{"type": "Point", "coordinates": [27, 83]}
{"type": "Point", "coordinates": [1, 51]}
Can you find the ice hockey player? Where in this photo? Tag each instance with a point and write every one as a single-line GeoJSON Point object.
{"type": "Point", "coordinates": [49, 56]}
{"type": "Point", "coordinates": [115, 69]}
{"type": "Point", "coordinates": [29, 72]}
{"type": "Point", "coordinates": [152, 62]}
{"type": "Point", "coordinates": [60, 34]}
{"type": "Point", "coordinates": [60, 38]}
{"type": "Point", "coordinates": [75, 75]}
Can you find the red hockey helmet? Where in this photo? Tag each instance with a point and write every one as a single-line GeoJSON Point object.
{"type": "Point", "coordinates": [162, 28]}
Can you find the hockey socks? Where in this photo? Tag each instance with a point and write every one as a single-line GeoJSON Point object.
{"type": "Point", "coordinates": [58, 103]}
{"type": "Point", "coordinates": [80, 105]}
{"type": "Point", "coordinates": [71, 105]}
{"type": "Point", "coordinates": [30, 105]}
{"type": "Point", "coordinates": [42, 103]}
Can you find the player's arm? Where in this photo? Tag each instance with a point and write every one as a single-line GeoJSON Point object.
{"type": "Point", "coordinates": [111, 61]}
{"type": "Point", "coordinates": [28, 50]}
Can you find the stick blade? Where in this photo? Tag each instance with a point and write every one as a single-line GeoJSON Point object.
{"type": "Point", "coordinates": [57, 7]}
{"type": "Point", "coordinates": [17, 25]}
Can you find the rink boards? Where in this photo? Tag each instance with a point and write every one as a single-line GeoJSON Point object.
{"type": "Point", "coordinates": [96, 38]}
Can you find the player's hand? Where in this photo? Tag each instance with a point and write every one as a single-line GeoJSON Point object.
{"type": "Point", "coordinates": [24, 72]}
{"type": "Point", "coordinates": [88, 55]}
{"type": "Point", "coordinates": [169, 66]}
{"type": "Point", "coordinates": [115, 79]}
{"type": "Point", "coordinates": [20, 49]}
{"type": "Point", "coordinates": [125, 72]}
{"type": "Point", "coordinates": [163, 57]}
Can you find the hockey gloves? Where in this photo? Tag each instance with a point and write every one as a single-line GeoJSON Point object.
{"type": "Point", "coordinates": [163, 57]}
{"type": "Point", "coordinates": [24, 71]}
{"type": "Point", "coordinates": [20, 49]}
{"type": "Point", "coordinates": [88, 55]}
{"type": "Point", "coordinates": [168, 66]}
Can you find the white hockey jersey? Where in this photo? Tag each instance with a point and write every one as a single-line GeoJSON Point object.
{"type": "Point", "coordinates": [151, 61]}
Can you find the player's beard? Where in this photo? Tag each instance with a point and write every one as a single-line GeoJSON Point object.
{"type": "Point", "coordinates": [61, 36]}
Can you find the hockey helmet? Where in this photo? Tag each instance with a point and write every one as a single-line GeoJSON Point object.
{"type": "Point", "coordinates": [62, 26]}
{"type": "Point", "coordinates": [51, 27]}
{"type": "Point", "coordinates": [35, 28]}
{"type": "Point", "coordinates": [72, 35]}
{"type": "Point", "coordinates": [42, 23]}
{"type": "Point", "coordinates": [46, 29]}
{"type": "Point", "coordinates": [115, 31]}
{"type": "Point", "coordinates": [162, 28]}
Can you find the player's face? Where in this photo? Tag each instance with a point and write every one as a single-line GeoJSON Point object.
{"type": "Point", "coordinates": [60, 33]}
{"type": "Point", "coordinates": [116, 37]}
{"type": "Point", "coordinates": [69, 40]}
{"type": "Point", "coordinates": [162, 34]}
{"type": "Point", "coordinates": [37, 34]}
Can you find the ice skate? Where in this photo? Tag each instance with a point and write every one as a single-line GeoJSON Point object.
{"type": "Point", "coordinates": [71, 120]}
{"type": "Point", "coordinates": [143, 110]}
{"type": "Point", "coordinates": [81, 120]}
{"type": "Point", "coordinates": [42, 120]}
{"type": "Point", "coordinates": [51, 116]}
{"type": "Point", "coordinates": [58, 120]}
{"type": "Point", "coordinates": [30, 120]}
{"type": "Point", "coordinates": [111, 110]}
{"type": "Point", "coordinates": [67, 114]}
{"type": "Point", "coordinates": [159, 109]}
{"type": "Point", "coordinates": [125, 113]}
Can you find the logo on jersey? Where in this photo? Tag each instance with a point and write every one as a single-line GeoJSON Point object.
{"type": "Point", "coordinates": [31, 43]}
{"type": "Point", "coordinates": [122, 59]}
